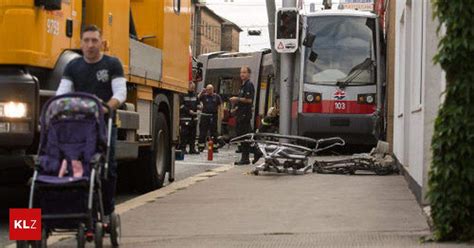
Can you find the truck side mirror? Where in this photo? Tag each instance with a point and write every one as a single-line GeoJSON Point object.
{"type": "Point", "coordinates": [309, 40]}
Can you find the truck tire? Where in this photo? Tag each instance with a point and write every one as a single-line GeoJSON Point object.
{"type": "Point", "coordinates": [156, 159]}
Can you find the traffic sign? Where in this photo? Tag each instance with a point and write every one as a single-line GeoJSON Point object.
{"type": "Point", "coordinates": [286, 30]}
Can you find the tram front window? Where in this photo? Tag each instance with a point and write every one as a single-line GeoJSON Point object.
{"type": "Point", "coordinates": [345, 50]}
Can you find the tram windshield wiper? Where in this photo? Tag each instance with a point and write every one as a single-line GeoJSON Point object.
{"type": "Point", "coordinates": [355, 72]}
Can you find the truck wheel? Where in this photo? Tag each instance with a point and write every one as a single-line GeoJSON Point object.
{"type": "Point", "coordinates": [156, 159]}
{"type": "Point", "coordinates": [161, 152]}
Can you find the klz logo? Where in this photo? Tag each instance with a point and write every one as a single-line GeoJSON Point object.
{"type": "Point", "coordinates": [25, 224]}
{"type": "Point", "coordinates": [339, 94]}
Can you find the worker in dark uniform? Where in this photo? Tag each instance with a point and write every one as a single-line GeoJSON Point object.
{"type": "Point", "coordinates": [244, 103]}
{"type": "Point", "coordinates": [270, 123]}
{"type": "Point", "coordinates": [210, 107]}
{"type": "Point", "coordinates": [188, 120]}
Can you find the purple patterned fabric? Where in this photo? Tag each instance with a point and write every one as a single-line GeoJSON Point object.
{"type": "Point", "coordinates": [72, 129]}
{"type": "Point", "coordinates": [72, 108]}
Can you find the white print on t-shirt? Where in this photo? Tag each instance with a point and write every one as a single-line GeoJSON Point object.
{"type": "Point", "coordinates": [103, 76]}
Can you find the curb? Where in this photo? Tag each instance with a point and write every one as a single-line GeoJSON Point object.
{"type": "Point", "coordinates": [152, 196]}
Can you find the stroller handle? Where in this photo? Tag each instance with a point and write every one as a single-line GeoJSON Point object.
{"type": "Point", "coordinates": [109, 137]}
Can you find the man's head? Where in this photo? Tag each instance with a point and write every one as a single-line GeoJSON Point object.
{"type": "Point", "coordinates": [245, 73]}
{"type": "Point", "coordinates": [209, 89]}
{"type": "Point", "coordinates": [91, 42]}
{"type": "Point", "coordinates": [191, 87]}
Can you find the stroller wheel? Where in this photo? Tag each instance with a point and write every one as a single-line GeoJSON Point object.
{"type": "Point", "coordinates": [22, 244]}
{"type": "Point", "coordinates": [98, 235]}
{"type": "Point", "coordinates": [81, 236]}
{"type": "Point", "coordinates": [43, 243]}
{"type": "Point", "coordinates": [115, 229]}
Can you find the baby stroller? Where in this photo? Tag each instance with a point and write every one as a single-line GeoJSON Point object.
{"type": "Point", "coordinates": [72, 162]}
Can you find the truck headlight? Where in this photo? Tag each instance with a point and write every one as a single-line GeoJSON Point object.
{"type": "Point", "coordinates": [13, 110]}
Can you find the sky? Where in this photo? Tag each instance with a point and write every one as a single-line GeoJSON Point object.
{"type": "Point", "coordinates": [250, 14]}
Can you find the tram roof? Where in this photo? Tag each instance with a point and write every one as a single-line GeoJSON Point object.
{"type": "Point", "coordinates": [343, 12]}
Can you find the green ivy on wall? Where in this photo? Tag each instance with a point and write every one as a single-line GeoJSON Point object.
{"type": "Point", "coordinates": [451, 179]}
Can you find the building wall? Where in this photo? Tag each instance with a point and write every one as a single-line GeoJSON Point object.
{"type": "Point", "coordinates": [417, 95]}
{"type": "Point", "coordinates": [210, 31]}
{"type": "Point", "coordinates": [226, 38]}
{"type": "Point", "coordinates": [230, 38]}
{"type": "Point", "coordinates": [235, 40]}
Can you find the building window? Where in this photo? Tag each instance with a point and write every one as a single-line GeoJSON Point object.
{"type": "Point", "coordinates": [177, 6]}
{"type": "Point", "coordinates": [414, 54]}
{"type": "Point", "coordinates": [418, 89]}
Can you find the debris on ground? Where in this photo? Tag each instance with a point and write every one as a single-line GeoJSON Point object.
{"type": "Point", "coordinates": [379, 161]}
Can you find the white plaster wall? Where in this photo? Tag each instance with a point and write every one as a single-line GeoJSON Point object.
{"type": "Point", "coordinates": [398, 125]}
{"type": "Point", "coordinates": [408, 123]}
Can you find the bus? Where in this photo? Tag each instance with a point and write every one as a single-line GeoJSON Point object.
{"type": "Point", "coordinates": [339, 77]}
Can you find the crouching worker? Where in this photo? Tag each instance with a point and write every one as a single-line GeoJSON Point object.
{"type": "Point", "coordinates": [101, 75]}
{"type": "Point", "coordinates": [270, 123]}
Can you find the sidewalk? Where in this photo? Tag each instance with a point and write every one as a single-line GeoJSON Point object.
{"type": "Point", "coordinates": [234, 209]}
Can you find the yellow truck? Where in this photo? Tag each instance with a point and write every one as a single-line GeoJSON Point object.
{"type": "Point", "coordinates": [150, 37]}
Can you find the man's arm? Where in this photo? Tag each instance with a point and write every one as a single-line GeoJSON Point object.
{"type": "Point", "coordinates": [249, 93]}
{"type": "Point", "coordinates": [65, 86]}
{"type": "Point", "coordinates": [119, 89]}
{"type": "Point", "coordinates": [119, 86]}
{"type": "Point", "coordinates": [237, 99]}
{"type": "Point", "coordinates": [245, 100]}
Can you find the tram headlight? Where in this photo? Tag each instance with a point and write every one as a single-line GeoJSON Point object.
{"type": "Point", "coordinates": [369, 99]}
{"type": "Point", "coordinates": [366, 99]}
{"type": "Point", "coordinates": [13, 109]}
{"type": "Point", "coordinates": [312, 97]}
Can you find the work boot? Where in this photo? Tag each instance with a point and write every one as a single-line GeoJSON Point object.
{"type": "Point", "coordinates": [242, 162]}
{"type": "Point", "coordinates": [256, 156]}
{"type": "Point", "coordinates": [201, 147]}
{"type": "Point", "coordinates": [193, 151]}
{"type": "Point", "coordinates": [239, 149]}
{"type": "Point", "coordinates": [220, 142]}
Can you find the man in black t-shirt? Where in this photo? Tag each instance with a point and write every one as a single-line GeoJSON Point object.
{"type": "Point", "coordinates": [210, 108]}
{"type": "Point", "coordinates": [100, 75]}
{"type": "Point", "coordinates": [244, 103]}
